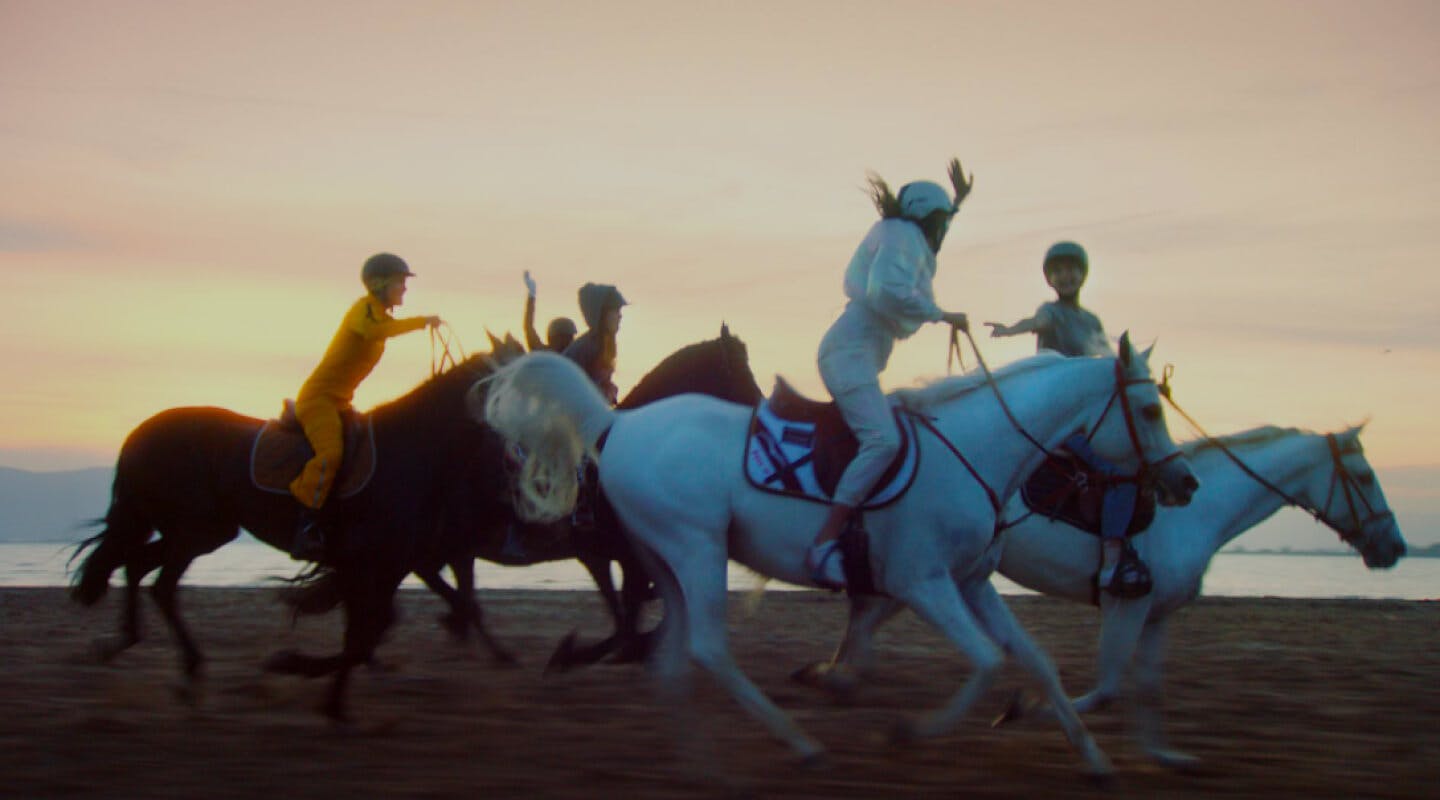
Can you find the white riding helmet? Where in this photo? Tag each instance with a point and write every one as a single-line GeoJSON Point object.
{"type": "Point", "coordinates": [920, 199]}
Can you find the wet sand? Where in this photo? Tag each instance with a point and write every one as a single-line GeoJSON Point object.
{"type": "Point", "coordinates": [1280, 698]}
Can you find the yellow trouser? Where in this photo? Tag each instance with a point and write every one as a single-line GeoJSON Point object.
{"type": "Point", "coordinates": [320, 418]}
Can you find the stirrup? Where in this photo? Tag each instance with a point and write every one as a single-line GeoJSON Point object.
{"type": "Point", "coordinates": [1131, 579]}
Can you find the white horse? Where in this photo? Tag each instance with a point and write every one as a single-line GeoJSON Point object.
{"type": "Point", "coordinates": [1247, 476]}
{"type": "Point", "coordinates": [672, 471]}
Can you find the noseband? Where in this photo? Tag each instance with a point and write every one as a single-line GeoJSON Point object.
{"type": "Point", "coordinates": [1349, 488]}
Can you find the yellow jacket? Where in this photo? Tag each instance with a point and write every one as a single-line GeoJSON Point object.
{"type": "Point", "coordinates": [355, 351]}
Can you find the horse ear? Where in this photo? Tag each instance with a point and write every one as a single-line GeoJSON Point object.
{"type": "Point", "coordinates": [1127, 351]}
{"type": "Point", "coordinates": [1146, 355]}
{"type": "Point", "coordinates": [724, 331]}
{"type": "Point", "coordinates": [494, 342]}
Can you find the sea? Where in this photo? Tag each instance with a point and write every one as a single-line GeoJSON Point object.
{"type": "Point", "coordinates": [249, 563]}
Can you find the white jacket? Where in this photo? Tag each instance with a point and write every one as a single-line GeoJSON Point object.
{"type": "Point", "coordinates": [889, 283]}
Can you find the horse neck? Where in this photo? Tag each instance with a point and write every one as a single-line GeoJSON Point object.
{"type": "Point", "coordinates": [1232, 502]}
{"type": "Point", "coordinates": [1050, 404]}
{"type": "Point", "coordinates": [433, 407]}
{"type": "Point", "coordinates": [698, 368]}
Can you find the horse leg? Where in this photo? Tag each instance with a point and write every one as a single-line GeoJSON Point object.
{"type": "Point", "coordinates": [1121, 624]}
{"type": "Point", "coordinates": [938, 602]}
{"type": "Point", "coordinates": [704, 608]}
{"type": "Point", "coordinates": [455, 621]}
{"type": "Point", "coordinates": [165, 593]}
{"type": "Point", "coordinates": [464, 572]}
{"type": "Point", "coordinates": [856, 654]}
{"type": "Point", "coordinates": [1001, 625]}
{"type": "Point", "coordinates": [570, 653]}
{"type": "Point", "coordinates": [1149, 684]}
{"type": "Point", "coordinates": [369, 612]}
{"type": "Point", "coordinates": [634, 646]}
{"type": "Point", "coordinates": [136, 568]}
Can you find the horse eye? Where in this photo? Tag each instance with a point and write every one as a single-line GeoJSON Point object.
{"type": "Point", "coordinates": [1365, 479]}
{"type": "Point", "coordinates": [1151, 413]}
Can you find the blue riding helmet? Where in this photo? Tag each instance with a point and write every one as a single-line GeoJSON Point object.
{"type": "Point", "coordinates": [1066, 250]}
{"type": "Point", "coordinates": [920, 199]}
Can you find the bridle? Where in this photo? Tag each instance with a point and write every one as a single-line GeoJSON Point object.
{"type": "Point", "coordinates": [1342, 482]}
{"type": "Point", "coordinates": [1143, 475]}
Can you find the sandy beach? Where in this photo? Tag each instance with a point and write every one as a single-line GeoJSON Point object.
{"type": "Point", "coordinates": [1280, 698]}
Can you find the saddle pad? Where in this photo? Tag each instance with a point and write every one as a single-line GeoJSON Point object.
{"type": "Point", "coordinates": [791, 458]}
{"type": "Point", "coordinates": [1064, 489]}
{"type": "Point", "coordinates": [280, 451]}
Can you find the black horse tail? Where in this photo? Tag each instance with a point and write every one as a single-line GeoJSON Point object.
{"type": "Point", "coordinates": [316, 591]}
{"type": "Point", "coordinates": [126, 530]}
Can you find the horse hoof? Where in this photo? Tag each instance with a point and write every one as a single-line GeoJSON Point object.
{"type": "Point", "coordinates": [810, 674]}
{"type": "Point", "coordinates": [816, 761]}
{"type": "Point", "coordinates": [564, 656]}
{"type": "Point", "coordinates": [1015, 710]}
{"type": "Point", "coordinates": [1176, 760]}
{"type": "Point", "coordinates": [1101, 778]}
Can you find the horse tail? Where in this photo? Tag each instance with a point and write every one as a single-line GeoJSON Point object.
{"type": "Point", "coordinates": [126, 529]}
{"type": "Point", "coordinates": [550, 415]}
{"type": "Point", "coordinates": [316, 591]}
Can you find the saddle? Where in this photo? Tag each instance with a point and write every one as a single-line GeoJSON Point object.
{"type": "Point", "coordinates": [1064, 488]}
{"type": "Point", "coordinates": [280, 451]}
{"type": "Point", "coordinates": [799, 447]}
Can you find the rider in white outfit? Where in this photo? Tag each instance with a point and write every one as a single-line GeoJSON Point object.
{"type": "Point", "coordinates": [888, 282]}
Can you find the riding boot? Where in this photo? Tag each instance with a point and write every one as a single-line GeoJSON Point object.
{"type": "Point", "coordinates": [309, 541]}
{"type": "Point", "coordinates": [823, 559]}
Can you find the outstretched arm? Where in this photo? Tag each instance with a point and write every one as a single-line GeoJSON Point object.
{"type": "Point", "coordinates": [1040, 322]}
{"type": "Point", "coordinates": [1027, 325]}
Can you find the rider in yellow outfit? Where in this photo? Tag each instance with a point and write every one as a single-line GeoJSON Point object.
{"type": "Point", "coordinates": [352, 354]}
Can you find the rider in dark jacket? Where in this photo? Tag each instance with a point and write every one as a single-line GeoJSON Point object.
{"type": "Point", "coordinates": [594, 351]}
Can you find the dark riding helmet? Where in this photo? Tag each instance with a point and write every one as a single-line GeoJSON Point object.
{"type": "Point", "coordinates": [561, 328]}
{"type": "Point", "coordinates": [382, 268]}
{"type": "Point", "coordinates": [1068, 251]}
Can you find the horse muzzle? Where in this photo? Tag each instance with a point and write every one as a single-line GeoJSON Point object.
{"type": "Point", "coordinates": [1175, 483]}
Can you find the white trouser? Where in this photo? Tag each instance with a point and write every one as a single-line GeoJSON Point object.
{"type": "Point", "coordinates": [868, 414]}
{"type": "Point", "coordinates": [852, 355]}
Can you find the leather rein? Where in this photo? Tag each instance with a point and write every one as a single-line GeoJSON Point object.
{"type": "Point", "coordinates": [1341, 479]}
{"type": "Point", "coordinates": [1122, 383]}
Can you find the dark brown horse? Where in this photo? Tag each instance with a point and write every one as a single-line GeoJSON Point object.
{"type": "Point", "coordinates": [439, 495]}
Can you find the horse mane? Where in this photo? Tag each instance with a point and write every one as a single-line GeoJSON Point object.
{"type": "Point", "coordinates": [1255, 437]}
{"type": "Point", "coordinates": [941, 390]}
{"type": "Point", "coordinates": [451, 382]}
{"type": "Point", "coordinates": [687, 365]}
{"type": "Point", "coordinates": [1241, 439]}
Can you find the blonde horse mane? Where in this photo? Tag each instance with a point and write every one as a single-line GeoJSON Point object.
{"type": "Point", "coordinates": [549, 415]}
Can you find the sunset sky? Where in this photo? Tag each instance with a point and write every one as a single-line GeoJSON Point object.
{"type": "Point", "coordinates": [190, 189]}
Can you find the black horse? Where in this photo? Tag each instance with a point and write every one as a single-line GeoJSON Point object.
{"type": "Point", "coordinates": [439, 494]}
{"type": "Point", "coordinates": [720, 368]}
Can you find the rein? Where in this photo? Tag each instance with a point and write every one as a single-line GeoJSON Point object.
{"type": "Point", "coordinates": [441, 356]}
{"type": "Point", "coordinates": [1121, 383]}
{"type": "Point", "coordinates": [1339, 476]}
